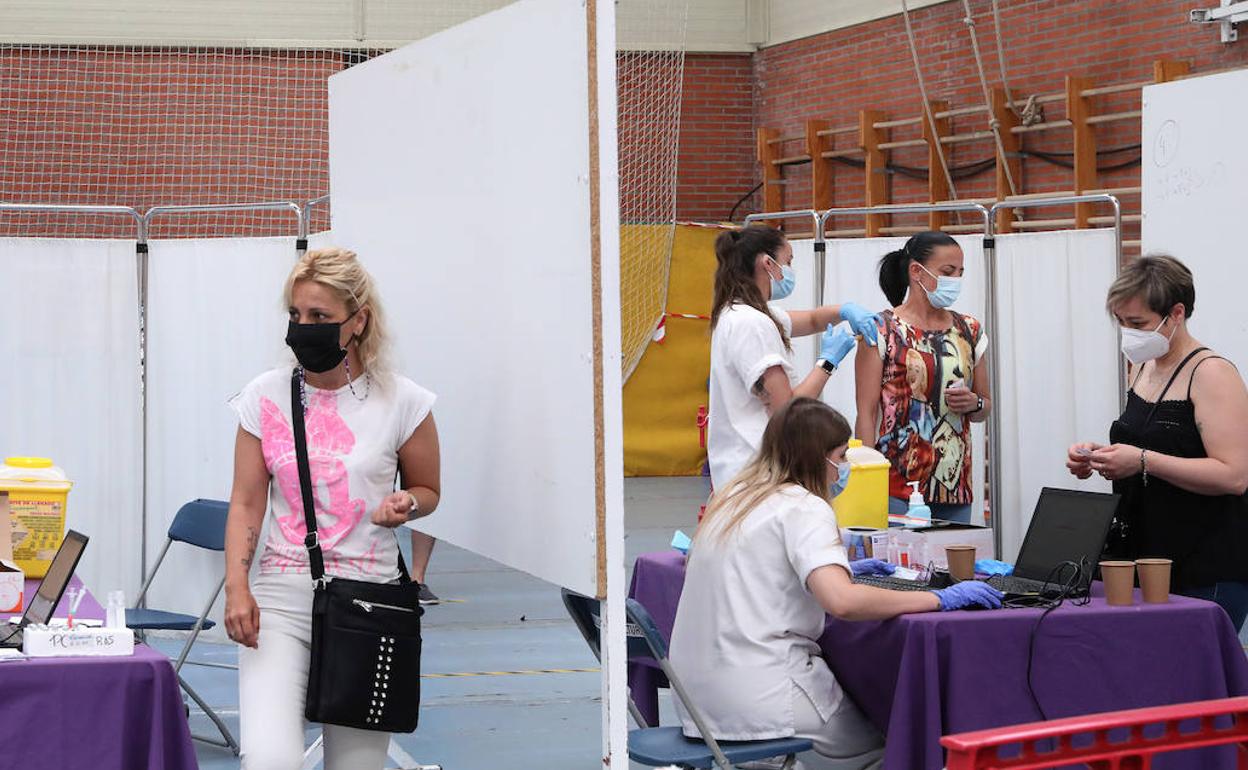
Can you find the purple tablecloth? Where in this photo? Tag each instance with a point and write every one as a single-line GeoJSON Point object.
{"type": "Point", "coordinates": [919, 677]}
{"type": "Point", "coordinates": [59, 713]}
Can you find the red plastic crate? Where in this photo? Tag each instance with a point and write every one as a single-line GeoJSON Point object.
{"type": "Point", "coordinates": [1049, 744]}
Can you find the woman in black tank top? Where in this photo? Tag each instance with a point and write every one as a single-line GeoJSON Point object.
{"type": "Point", "coordinates": [1179, 452]}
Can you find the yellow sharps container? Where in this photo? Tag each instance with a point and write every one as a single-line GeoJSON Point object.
{"type": "Point", "coordinates": [864, 503]}
{"type": "Point", "coordinates": [38, 492]}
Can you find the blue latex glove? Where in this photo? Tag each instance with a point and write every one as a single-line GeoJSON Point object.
{"type": "Point", "coordinates": [961, 595]}
{"type": "Point", "coordinates": [863, 323]}
{"type": "Point", "coordinates": [993, 567]}
{"type": "Point", "coordinates": [835, 345]}
{"type": "Point", "coordinates": [870, 567]}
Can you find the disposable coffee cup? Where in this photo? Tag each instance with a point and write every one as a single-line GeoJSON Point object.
{"type": "Point", "coordinates": [1119, 579]}
{"type": "Point", "coordinates": [1154, 579]}
{"type": "Point", "coordinates": [961, 561]}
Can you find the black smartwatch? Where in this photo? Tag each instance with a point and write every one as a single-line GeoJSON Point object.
{"type": "Point", "coordinates": [826, 365]}
{"type": "Point", "coordinates": [979, 407]}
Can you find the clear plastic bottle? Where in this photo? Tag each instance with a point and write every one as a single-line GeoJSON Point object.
{"type": "Point", "coordinates": [919, 514]}
{"type": "Point", "coordinates": [115, 614]}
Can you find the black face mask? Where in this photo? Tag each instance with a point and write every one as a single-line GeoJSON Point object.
{"type": "Point", "coordinates": [316, 345]}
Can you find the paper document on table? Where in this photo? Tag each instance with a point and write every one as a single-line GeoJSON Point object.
{"type": "Point", "coordinates": [7, 654]}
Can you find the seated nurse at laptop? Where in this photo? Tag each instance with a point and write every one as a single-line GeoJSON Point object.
{"type": "Point", "coordinates": [1179, 452]}
{"type": "Point", "coordinates": [767, 563]}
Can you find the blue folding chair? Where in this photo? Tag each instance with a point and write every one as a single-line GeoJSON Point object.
{"type": "Point", "coordinates": [663, 746]}
{"type": "Point", "coordinates": [200, 523]}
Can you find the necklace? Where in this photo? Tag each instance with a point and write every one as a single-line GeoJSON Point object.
{"type": "Point", "coordinates": [368, 382]}
{"type": "Point", "coordinates": [303, 385]}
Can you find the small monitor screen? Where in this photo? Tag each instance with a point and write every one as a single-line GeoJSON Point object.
{"type": "Point", "coordinates": [60, 571]}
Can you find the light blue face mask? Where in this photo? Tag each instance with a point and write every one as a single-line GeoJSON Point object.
{"type": "Point", "coordinates": [947, 289]}
{"type": "Point", "coordinates": [842, 477]}
{"type": "Point", "coordinates": [788, 279]}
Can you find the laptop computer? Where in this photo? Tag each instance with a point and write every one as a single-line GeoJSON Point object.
{"type": "Point", "coordinates": [39, 608]}
{"type": "Point", "coordinates": [1068, 528]}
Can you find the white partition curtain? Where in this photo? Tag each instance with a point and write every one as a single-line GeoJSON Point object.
{"type": "Point", "coordinates": [852, 275]}
{"type": "Point", "coordinates": [215, 321]}
{"type": "Point", "coordinates": [69, 331]}
{"type": "Point", "coordinates": [1058, 354]}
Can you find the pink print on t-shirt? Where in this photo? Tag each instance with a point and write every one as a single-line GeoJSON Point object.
{"type": "Point", "coordinates": [329, 439]}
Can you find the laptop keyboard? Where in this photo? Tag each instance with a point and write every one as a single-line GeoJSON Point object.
{"type": "Point", "coordinates": [1008, 584]}
{"type": "Point", "coordinates": [891, 583]}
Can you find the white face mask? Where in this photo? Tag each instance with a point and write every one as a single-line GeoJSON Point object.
{"type": "Point", "coordinates": [1140, 346]}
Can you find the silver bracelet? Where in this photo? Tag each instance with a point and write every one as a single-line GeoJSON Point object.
{"type": "Point", "coordinates": [1144, 465]}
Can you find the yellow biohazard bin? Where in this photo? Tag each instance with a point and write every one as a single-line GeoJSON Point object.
{"type": "Point", "coordinates": [864, 503]}
{"type": "Point", "coordinates": [38, 492]}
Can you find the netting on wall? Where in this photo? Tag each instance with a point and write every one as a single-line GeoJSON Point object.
{"type": "Point", "coordinates": [144, 126]}
{"type": "Point", "coordinates": [650, 86]}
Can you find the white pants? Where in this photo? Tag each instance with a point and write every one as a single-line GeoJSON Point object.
{"type": "Point", "coordinates": [847, 735]}
{"type": "Point", "coordinates": [273, 684]}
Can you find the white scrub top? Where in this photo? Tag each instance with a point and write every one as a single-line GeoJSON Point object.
{"type": "Point", "coordinates": [745, 344]}
{"type": "Point", "coordinates": [746, 627]}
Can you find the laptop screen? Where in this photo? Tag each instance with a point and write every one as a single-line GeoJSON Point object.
{"type": "Point", "coordinates": [1067, 526]}
{"type": "Point", "coordinates": [43, 603]}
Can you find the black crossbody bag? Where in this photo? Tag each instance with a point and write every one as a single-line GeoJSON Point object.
{"type": "Point", "coordinates": [365, 668]}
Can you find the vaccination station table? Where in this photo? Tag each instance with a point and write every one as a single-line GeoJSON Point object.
{"type": "Point", "coordinates": [919, 677]}
{"type": "Point", "coordinates": [118, 712]}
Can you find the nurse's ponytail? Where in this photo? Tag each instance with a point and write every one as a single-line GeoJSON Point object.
{"type": "Point", "coordinates": [895, 266]}
{"type": "Point", "coordinates": [735, 254]}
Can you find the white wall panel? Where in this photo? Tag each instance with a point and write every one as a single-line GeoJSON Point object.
{"type": "Point", "coordinates": [477, 227]}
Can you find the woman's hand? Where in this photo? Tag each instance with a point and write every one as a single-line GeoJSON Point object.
{"type": "Point", "coordinates": [961, 400]}
{"type": "Point", "coordinates": [242, 617]}
{"type": "Point", "coordinates": [394, 510]}
{"type": "Point", "coordinates": [1079, 459]}
{"type": "Point", "coordinates": [1116, 461]}
{"type": "Point", "coordinates": [864, 323]}
{"type": "Point", "coordinates": [835, 345]}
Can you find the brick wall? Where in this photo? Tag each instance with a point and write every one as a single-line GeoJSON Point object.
{"type": "Point", "coordinates": [833, 75]}
{"type": "Point", "coordinates": [717, 160]}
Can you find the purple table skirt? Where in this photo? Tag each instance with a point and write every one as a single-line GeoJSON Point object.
{"type": "Point", "coordinates": [919, 677]}
{"type": "Point", "coordinates": [59, 713]}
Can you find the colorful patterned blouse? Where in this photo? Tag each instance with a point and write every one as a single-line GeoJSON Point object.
{"type": "Point", "coordinates": [923, 440]}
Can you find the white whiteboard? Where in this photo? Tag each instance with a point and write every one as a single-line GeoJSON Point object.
{"type": "Point", "coordinates": [459, 170]}
{"type": "Point", "coordinates": [1195, 184]}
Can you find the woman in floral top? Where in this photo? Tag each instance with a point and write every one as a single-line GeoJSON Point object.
{"type": "Point", "coordinates": [920, 389]}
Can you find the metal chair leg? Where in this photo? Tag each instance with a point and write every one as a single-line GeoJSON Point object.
{"type": "Point", "coordinates": [229, 742]}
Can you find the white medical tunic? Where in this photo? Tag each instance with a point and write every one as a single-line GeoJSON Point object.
{"type": "Point", "coordinates": [747, 628]}
{"type": "Point", "coordinates": [745, 344]}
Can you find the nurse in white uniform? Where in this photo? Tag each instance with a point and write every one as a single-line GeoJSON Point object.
{"type": "Point", "coordinates": [766, 564]}
{"type": "Point", "coordinates": [752, 371]}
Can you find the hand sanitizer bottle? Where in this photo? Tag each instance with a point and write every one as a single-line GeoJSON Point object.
{"type": "Point", "coordinates": [920, 515]}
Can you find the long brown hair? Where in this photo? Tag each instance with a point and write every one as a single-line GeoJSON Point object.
{"type": "Point", "coordinates": [795, 449]}
{"type": "Point", "coordinates": [735, 251]}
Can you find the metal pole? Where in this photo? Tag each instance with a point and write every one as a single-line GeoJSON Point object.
{"type": "Point", "coordinates": [994, 470]}
{"type": "Point", "coordinates": [995, 435]}
{"type": "Point", "coordinates": [156, 211]}
{"type": "Point", "coordinates": [994, 382]}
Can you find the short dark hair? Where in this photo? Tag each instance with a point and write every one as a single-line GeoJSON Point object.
{"type": "Point", "coordinates": [1160, 280]}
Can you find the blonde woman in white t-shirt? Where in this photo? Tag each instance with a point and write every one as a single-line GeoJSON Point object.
{"type": "Point", "coordinates": [767, 563]}
{"type": "Point", "coordinates": [752, 369]}
{"type": "Point", "coordinates": [365, 423]}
